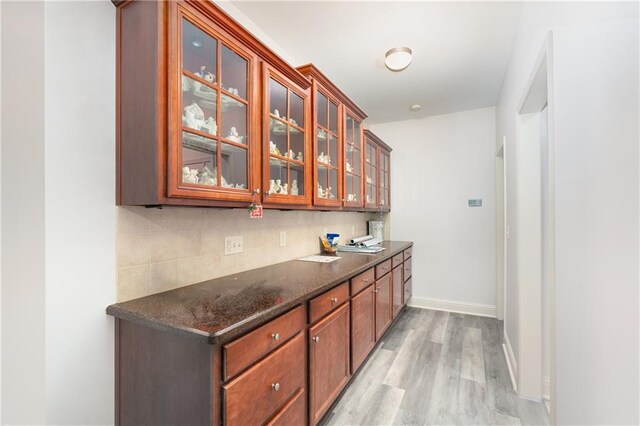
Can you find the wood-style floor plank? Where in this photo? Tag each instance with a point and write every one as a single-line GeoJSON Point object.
{"type": "Point", "coordinates": [437, 368]}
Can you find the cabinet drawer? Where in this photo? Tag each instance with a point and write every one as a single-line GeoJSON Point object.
{"type": "Point", "coordinates": [328, 301]}
{"type": "Point", "coordinates": [397, 260]}
{"type": "Point", "coordinates": [407, 253]}
{"type": "Point", "coordinates": [257, 394]}
{"type": "Point", "coordinates": [407, 269]}
{"type": "Point", "coordinates": [243, 352]}
{"type": "Point", "coordinates": [383, 268]}
{"type": "Point", "coordinates": [363, 280]}
{"type": "Point", "coordinates": [294, 413]}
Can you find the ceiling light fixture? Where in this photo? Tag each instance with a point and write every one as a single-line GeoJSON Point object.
{"type": "Point", "coordinates": [415, 107]}
{"type": "Point", "coordinates": [398, 58]}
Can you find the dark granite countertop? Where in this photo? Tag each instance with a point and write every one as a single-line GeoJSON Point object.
{"type": "Point", "coordinates": [219, 310]}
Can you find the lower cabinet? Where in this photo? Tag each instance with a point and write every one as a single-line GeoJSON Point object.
{"type": "Point", "coordinates": [328, 361]}
{"type": "Point", "coordinates": [397, 290]}
{"type": "Point", "coordinates": [383, 304]}
{"type": "Point", "coordinates": [363, 326]}
{"type": "Point", "coordinates": [407, 290]}
{"type": "Point", "coordinates": [264, 389]}
{"type": "Point", "coordinates": [293, 413]}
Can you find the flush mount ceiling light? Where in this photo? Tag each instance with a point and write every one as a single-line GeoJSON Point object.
{"type": "Point", "coordinates": [398, 58]}
{"type": "Point", "coordinates": [415, 107]}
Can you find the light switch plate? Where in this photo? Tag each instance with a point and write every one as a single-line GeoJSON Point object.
{"type": "Point", "coordinates": [233, 245]}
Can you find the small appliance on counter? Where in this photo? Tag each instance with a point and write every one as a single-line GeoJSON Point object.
{"type": "Point", "coordinates": [376, 229]}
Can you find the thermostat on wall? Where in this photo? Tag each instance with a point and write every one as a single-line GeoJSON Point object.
{"type": "Point", "coordinates": [475, 202]}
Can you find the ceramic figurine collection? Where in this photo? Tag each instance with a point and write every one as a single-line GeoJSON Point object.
{"type": "Point", "coordinates": [206, 177]}
{"type": "Point", "coordinates": [325, 193]}
{"type": "Point", "coordinates": [349, 167]}
{"type": "Point", "coordinates": [277, 187]}
{"type": "Point", "coordinates": [273, 149]}
{"type": "Point", "coordinates": [352, 197]}
{"type": "Point", "coordinates": [194, 118]}
{"type": "Point", "coordinates": [322, 158]}
{"type": "Point", "coordinates": [276, 113]}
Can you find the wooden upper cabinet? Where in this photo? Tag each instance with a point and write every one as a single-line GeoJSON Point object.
{"type": "Point", "coordinates": [287, 141]}
{"type": "Point", "coordinates": [211, 117]}
{"type": "Point", "coordinates": [337, 140]}
{"type": "Point", "coordinates": [377, 163]}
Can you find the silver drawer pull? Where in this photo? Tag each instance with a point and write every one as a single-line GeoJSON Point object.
{"type": "Point", "coordinates": [275, 336]}
{"type": "Point", "coordinates": [334, 300]}
{"type": "Point", "coordinates": [275, 386]}
{"type": "Point", "coordinates": [316, 339]}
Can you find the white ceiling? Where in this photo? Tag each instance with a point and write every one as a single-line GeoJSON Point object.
{"type": "Point", "coordinates": [460, 49]}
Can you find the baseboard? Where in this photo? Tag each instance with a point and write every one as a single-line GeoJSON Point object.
{"type": "Point", "coordinates": [546, 387]}
{"type": "Point", "coordinates": [452, 306]}
{"type": "Point", "coordinates": [511, 362]}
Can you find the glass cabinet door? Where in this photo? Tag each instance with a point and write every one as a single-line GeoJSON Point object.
{"type": "Point", "coordinates": [287, 159]}
{"type": "Point", "coordinates": [352, 162]}
{"type": "Point", "coordinates": [327, 151]}
{"type": "Point", "coordinates": [371, 174]}
{"type": "Point", "coordinates": [214, 155]}
{"type": "Point", "coordinates": [385, 192]}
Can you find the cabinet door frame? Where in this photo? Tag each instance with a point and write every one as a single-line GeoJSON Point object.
{"type": "Point", "coordinates": [351, 204]}
{"type": "Point", "coordinates": [380, 330]}
{"type": "Point", "coordinates": [268, 73]}
{"type": "Point", "coordinates": [384, 153]}
{"type": "Point", "coordinates": [368, 292]}
{"type": "Point", "coordinates": [174, 184]}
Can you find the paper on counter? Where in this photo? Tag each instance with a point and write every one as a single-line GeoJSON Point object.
{"type": "Point", "coordinates": [320, 259]}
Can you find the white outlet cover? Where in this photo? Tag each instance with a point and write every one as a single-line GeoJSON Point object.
{"type": "Point", "coordinates": [233, 245]}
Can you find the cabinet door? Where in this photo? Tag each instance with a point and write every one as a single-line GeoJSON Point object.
{"type": "Point", "coordinates": [211, 112]}
{"type": "Point", "coordinates": [363, 326]}
{"type": "Point", "coordinates": [397, 282]}
{"type": "Point", "coordinates": [384, 179]}
{"type": "Point", "coordinates": [329, 361]}
{"type": "Point", "coordinates": [327, 148]}
{"type": "Point", "coordinates": [371, 174]}
{"type": "Point", "coordinates": [353, 169]}
{"type": "Point", "coordinates": [287, 141]}
{"type": "Point", "coordinates": [383, 305]}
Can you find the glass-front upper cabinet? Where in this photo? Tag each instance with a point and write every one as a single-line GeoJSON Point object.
{"type": "Point", "coordinates": [377, 173]}
{"type": "Point", "coordinates": [327, 149]}
{"type": "Point", "coordinates": [385, 179]}
{"type": "Point", "coordinates": [353, 153]}
{"type": "Point", "coordinates": [371, 174]}
{"type": "Point", "coordinates": [286, 145]}
{"type": "Point", "coordinates": [210, 115]}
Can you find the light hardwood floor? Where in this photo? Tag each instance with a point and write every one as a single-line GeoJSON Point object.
{"type": "Point", "coordinates": [437, 368]}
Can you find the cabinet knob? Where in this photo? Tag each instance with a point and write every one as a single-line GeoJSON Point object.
{"type": "Point", "coordinates": [275, 336]}
{"type": "Point", "coordinates": [375, 290]}
{"type": "Point", "coordinates": [334, 300]}
{"type": "Point", "coordinates": [275, 386]}
{"type": "Point", "coordinates": [316, 339]}
{"type": "Point", "coordinates": [366, 280]}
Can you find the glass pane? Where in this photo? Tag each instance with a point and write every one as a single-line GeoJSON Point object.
{"type": "Point", "coordinates": [349, 195]}
{"type": "Point", "coordinates": [356, 189]}
{"type": "Point", "coordinates": [278, 177]}
{"type": "Point", "coordinates": [323, 181]}
{"type": "Point", "coordinates": [277, 98]}
{"type": "Point", "coordinates": [296, 182]}
{"type": "Point", "coordinates": [323, 146]}
{"type": "Point", "coordinates": [234, 167]}
{"type": "Point", "coordinates": [199, 51]}
{"type": "Point", "coordinates": [296, 115]}
{"type": "Point", "coordinates": [296, 148]}
{"type": "Point", "coordinates": [199, 107]}
{"type": "Point", "coordinates": [234, 72]}
{"type": "Point", "coordinates": [278, 137]}
{"type": "Point", "coordinates": [333, 150]}
{"type": "Point", "coordinates": [234, 120]}
{"type": "Point", "coordinates": [322, 110]}
{"type": "Point", "coordinates": [349, 129]}
{"type": "Point", "coordinates": [198, 160]}
{"type": "Point", "coordinates": [332, 191]}
{"type": "Point", "coordinates": [348, 165]}
{"type": "Point", "coordinates": [356, 136]}
{"type": "Point", "coordinates": [333, 117]}
{"type": "Point", "coordinates": [356, 162]}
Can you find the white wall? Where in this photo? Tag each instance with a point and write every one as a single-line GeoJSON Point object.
{"type": "Point", "coordinates": [596, 183]}
{"type": "Point", "coordinates": [437, 164]}
{"type": "Point", "coordinates": [80, 211]}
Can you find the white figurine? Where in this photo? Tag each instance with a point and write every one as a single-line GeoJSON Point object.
{"type": "Point", "coordinates": [235, 92]}
{"type": "Point", "coordinates": [292, 121]}
{"type": "Point", "coordinates": [185, 173]}
{"type": "Point", "coordinates": [273, 149]}
{"type": "Point", "coordinates": [349, 168]}
{"type": "Point", "coordinates": [272, 186]}
{"type": "Point", "coordinates": [191, 177]}
{"type": "Point", "coordinates": [292, 154]}
{"type": "Point", "coordinates": [294, 187]}
{"type": "Point", "coordinates": [328, 193]}
{"type": "Point", "coordinates": [185, 84]}
{"type": "Point", "coordinates": [300, 156]}
{"type": "Point", "coordinates": [369, 180]}
{"type": "Point", "coordinates": [210, 126]}
{"type": "Point", "coordinates": [321, 193]}
{"type": "Point", "coordinates": [193, 116]}
{"type": "Point", "coordinates": [234, 136]}
{"type": "Point", "coordinates": [209, 77]}
{"type": "Point", "coordinates": [285, 189]}
{"type": "Point", "coordinates": [207, 177]}
{"type": "Point", "coordinates": [278, 186]}
{"type": "Point", "coordinates": [276, 113]}
{"type": "Point", "coordinates": [323, 158]}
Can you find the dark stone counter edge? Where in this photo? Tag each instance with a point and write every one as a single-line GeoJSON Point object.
{"type": "Point", "coordinates": [243, 327]}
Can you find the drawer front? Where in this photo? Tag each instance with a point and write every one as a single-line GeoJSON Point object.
{"type": "Point", "coordinates": [328, 301]}
{"type": "Point", "coordinates": [397, 260]}
{"type": "Point", "coordinates": [407, 269]}
{"type": "Point", "coordinates": [257, 394]}
{"type": "Point", "coordinates": [383, 269]}
{"type": "Point", "coordinates": [362, 281]}
{"type": "Point", "coordinates": [294, 413]}
{"type": "Point", "coordinates": [243, 352]}
{"type": "Point", "coordinates": [407, 253]}
{"type": "Point", "coordinates": [407, 291]}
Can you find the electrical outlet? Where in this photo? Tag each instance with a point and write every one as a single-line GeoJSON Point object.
{"type": "Point", "coordinates": [233, 245]}
{"type": "Point", "coordinates": [283, 238]}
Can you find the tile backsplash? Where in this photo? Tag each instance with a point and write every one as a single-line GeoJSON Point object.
{"type": "Point", "coordinates": [163, 249]}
